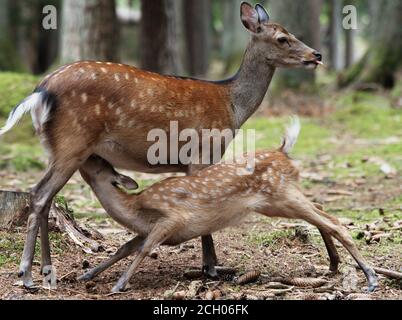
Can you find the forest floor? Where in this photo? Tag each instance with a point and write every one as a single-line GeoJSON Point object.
{"type": "Point", "coordinates": [351, 162]}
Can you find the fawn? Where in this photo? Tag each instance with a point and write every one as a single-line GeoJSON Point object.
{"type": "Point", "coordinates": [105, 109]}
{"type": "Point", "coordinates": [178, 209]}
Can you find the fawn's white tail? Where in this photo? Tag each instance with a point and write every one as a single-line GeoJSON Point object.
{"type": "Point", "coordinates": [291, 135]}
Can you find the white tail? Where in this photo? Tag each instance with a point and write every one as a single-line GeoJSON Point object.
{"type": "Point", "coordinates": [291, 135]}
{"type": "Point", "coordinates": [18, 112]}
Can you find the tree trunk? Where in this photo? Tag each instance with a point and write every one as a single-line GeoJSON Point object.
{"type": "Point", "coordinates": [335, 34]}
{"type": "Point", "coordinates": [384, 57]}
{"type": "Point", "coordinates": [159, 52]}
{"type": "Point", "coordinates": [350, 35]}
{"type": "Point", "coordinates": [302, 19]}
{"type": "Point", "coordinates": [8, 59]}
{"type": "Point", "coordinates": [89, 30]}
{"type": "Point", "coordinates": [234, 35]}
{"type": "Point", "coordinates": [28, 34]}
{"type": "Point", "coordinates": [197, 24]}
{"type": "Point", "coordinates": [48, 42]}
{"type": "Point", "coordinates": [14, 211]}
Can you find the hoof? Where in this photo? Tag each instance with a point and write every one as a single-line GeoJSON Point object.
{"type": "Point", "coordinates": [372, 287]}
{"type": "Point", "coordinates": [26, 279]}
{"type": "Point", "coordinates": [210, 271]}
{"type": "Point", "coordinates": [118, 289]}
{"type": "Point", "coordinates": [49, 277]}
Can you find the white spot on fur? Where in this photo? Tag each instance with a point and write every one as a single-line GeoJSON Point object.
{"type": "Point", "coordinates": [97, 110]}
{"type": "Point", "coordinates": [118, 111]}
{"type": "Point", "coordinates": [117, 77]}
{"type": "Point", "coordinates": [104, 70]}
{"type": "Point", "coordinates": [84, 98]}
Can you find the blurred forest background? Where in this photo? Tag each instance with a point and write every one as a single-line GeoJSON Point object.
{"type": "Point", "coordinates": [201, 38]}
{"type": "Point", "coordinates": [350, 145]}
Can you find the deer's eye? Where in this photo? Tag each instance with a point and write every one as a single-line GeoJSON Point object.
{"type": "Point", "coordinates": [282, 40]}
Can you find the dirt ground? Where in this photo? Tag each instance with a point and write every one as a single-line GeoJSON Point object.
{"type": "Point", "coordinates": [277, 248]}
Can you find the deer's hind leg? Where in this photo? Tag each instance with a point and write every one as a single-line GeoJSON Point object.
{"type": "Point", "coordinates": [41, 196]}
{"type": "Point", "coordinates": [68, 150]}
{"type": "Point", "coordinates": [330, 245]}
{"type": "Point", "coordinates": [301, 208]}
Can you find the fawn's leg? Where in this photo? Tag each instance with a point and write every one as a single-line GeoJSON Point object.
{"type": "Point", "coordinates": [331, 225]}
{"type": "Point", "coordinates": [331, 249]}
{"type": "Point", "coordinates": [158, 235]}
{"type": "Point", "coordinates": [342, 235]}
{"type": "Point", "coordinates": [329, 244]}
{"type": "Point", "coordinates": [124, 251]}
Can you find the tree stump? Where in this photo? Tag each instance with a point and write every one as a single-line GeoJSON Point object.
{"type": "Point", "coordinates": [14, 208]}
{"type": "Point", "coordinates": [14, 211]}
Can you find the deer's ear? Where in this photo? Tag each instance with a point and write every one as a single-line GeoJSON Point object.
{"type": "Point", "coordinates": [249, 17]}
{"type": "Point", "coordinates": [263, 15]}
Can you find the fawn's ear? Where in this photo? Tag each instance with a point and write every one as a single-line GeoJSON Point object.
{"type": "Point", "coordinates": [263, 16]}
{"type": "Point", "coordinates": [125, 182]}
{"type": "Point", "coordinates": [249, 17]}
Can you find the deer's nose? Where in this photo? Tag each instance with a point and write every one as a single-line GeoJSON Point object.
{"type": "Point", "coordinates": [318, 55]}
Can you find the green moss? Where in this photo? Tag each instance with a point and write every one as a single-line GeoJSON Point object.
{"type": "Point", "coordinates": [12, 245]}
{"type": "Point", "coordinates": [14, 87]}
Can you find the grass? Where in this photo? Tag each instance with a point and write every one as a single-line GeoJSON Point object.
{"type": "Point", "coordinates": [267, 239]}
{"type": "Point", "coordinates": [269, 132]}
{"type": "Point", "coordinates": [12, 244]}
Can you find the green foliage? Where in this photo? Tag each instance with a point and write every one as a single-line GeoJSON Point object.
{"type": "Point", "coordinates": [12, 244]}
{"type": "Point", "coordinates": [270, 131]}
{"type": "Point", "coordinates": [8, 57]}
{"type": "Point", "coordinates": [368, 116]}
{"type": "Point", "coordinates": [14, 87]}
{"type": "Point", "coordinates": [21, 157]}
{"type": "Point", "coordinates": [267, 239]}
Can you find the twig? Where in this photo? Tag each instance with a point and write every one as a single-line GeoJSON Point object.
{"type": "Point", "coordinates": [386, 272]}
{"type": "Point", "coordinates": [67, 274]}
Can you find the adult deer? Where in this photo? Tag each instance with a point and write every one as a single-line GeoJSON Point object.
{"type": "Point", "coordinates": [105, 109]}
{"type": "Point", "coordinates": [179, 209]}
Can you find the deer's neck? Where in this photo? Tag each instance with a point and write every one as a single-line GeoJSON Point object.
{"type": "Point", "coordinates": [249, 86]}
